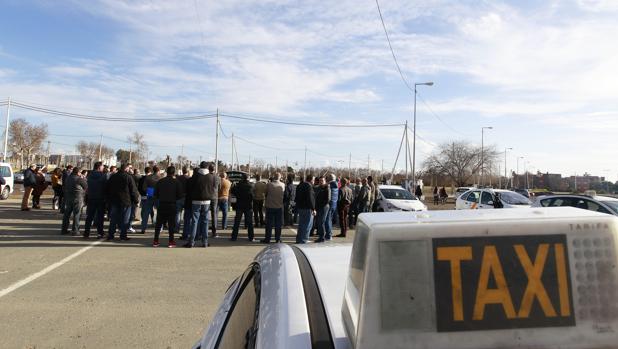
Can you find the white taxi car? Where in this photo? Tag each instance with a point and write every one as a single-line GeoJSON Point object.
{"type": "Point", "coordinates": [393, 198]}
{"type": "Point", "coordinates": [529, 278]}
{"type": "Point", "coordinates": [603, 204]}
{"type": "Point", "coordinates": [6, 171]}
{"type": "Point", "coordinates": [487, 198]}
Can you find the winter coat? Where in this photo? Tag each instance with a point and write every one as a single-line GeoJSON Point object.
{"type": "Point", "coordinates": [305, 196]}
{"type": "Point", "coordinates": [96, 185]}
{"type": "Point", "coordinates": [274, 194]}
{"type": "Point", "coordinates": [29, 178]}
{"type": "Point", "coordinates": [322, 196]}
{"type": "Point", "coordinates": [259, 191]}
{"type": "Point", "coordinates": [76, 188]}
{"type": "Point", "coordinates": [243, 191]}
{"type": "Point", "coordinates": [203, 186]}
{"type": "Point", "coordinates": [120, 189]}
{"type": "Point", "coordinates": [168, 190]}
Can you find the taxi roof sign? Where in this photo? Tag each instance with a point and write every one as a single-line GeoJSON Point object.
{"type": "Point", "coordinates": [531, 278]}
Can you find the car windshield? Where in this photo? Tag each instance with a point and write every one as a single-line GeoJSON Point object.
{"type": "Point", "coordinates": [612, 204]}
{"type": "Point", "coordinates": [513, 198]}
{"type": "Point", "coordinates": [397, 194]}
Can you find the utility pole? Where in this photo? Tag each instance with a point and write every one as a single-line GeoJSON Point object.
{"type": "Point", "coordinates": [232, 151]}
{"type": "Point", "coordinates": [406, 181]}
{"type": "Point", "coordinates": [6, 130]}
{"type": "Point", "coordinates": [350, 166]}
{"type": "Point", "coordinates": [505, 177]}
{"type": "Point", "coordinates": [217, 144]}
{"type": "Point", "coordinates": [100, 146]}
{"type": "Point", "coordinates": [305, 165]}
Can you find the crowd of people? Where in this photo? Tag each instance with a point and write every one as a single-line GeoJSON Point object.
{"type": "Point", "coordinates": [188, 203]}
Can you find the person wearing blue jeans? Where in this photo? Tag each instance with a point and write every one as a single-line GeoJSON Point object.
{"type": "Point", "coordinates": [223, 207]}
{"type": "Point", "coordinates": [305, 207]}
{"type": "Point", "coordinates": [274, 207]}
{"type": "Point", "coordinates": [201, 188]}
{"type": "Point", "coordinates": [274, 218]}
{"type": "Point", "coordinates": [332, 211]}
{"type": "Point", "coordinates": [148, 204]}
{"type": "Point", "coordinates": [95, 211]}
{"type": "Point", "coordinates": [200, 211]}
{"type": "Point", "coordinates": [148, 201]}
{"type": "Point", "coordinates": [322, 200]}
{"type": "Point", "coordinates": [120, 216]}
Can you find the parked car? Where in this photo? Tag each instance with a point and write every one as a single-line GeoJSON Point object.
{"type": "Point", "coordinates": [410, 280]}
{"type": "Point", "coordinates": [603, 204]}
{"type": "Point", "coordinates": [18, 177]}
{"type": "Point", "coordinates": [524, 192]}
{"type": "Point", "coordinates": [488, 198]}
{"type": "Point", "coordinates": [393, 198]}
{"type": "Point", "coordinates": [7, 173]}
{"type": "Point", "coordinates": [459, 191]}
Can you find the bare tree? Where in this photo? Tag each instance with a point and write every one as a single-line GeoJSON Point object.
{"type": "Point", "coordinates": [459, 161]}
{"type": "Point", "coordinates": [25, 138]}
{"type": "Point", "coordinates": [90, 151]}
{"type": "Point", "coordinates": [139, 148]}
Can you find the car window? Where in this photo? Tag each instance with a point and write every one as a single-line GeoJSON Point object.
{"type": "Point", "coordinates": [240, 328]}
{"type": "Point", "coordinates": [563, 202]}
{"type": "Point", "coordinates": [593, 206]}
{"type": "Point", "coordinates": [397, 194]}
{"type": "Point", "coordinates": [473, 196]}
{"type": "Point", "coordinates": [612, 205]}
{"type": "Point", "coordinates": [5, 172]}
{"type": "Point", "coordinates": [546, 202]}
{"type": "Point", "coordinates": [486, 198]}
{"type": "Point", "coordinates": [464, 196]}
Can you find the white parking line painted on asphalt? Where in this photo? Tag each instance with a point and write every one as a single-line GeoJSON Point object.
{"type": "Point", "coordinates": [37, 275]}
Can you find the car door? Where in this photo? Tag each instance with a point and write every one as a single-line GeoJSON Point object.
{"type": "Point", "coordinates": [472, 201]}
{"type": "Point", "coordinates": [487, 201]}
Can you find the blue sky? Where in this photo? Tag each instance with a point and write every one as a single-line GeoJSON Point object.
{"type": "Point", "coordinates": [542, 74]}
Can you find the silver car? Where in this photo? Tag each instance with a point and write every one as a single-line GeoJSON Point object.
{"type": "Point", "coordinates": [603, 204]}
{"type": "Point", "coordinates": [291, 296]}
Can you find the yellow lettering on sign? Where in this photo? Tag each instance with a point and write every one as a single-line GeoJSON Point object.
{"type": "Point", "coordinates": [563, 287]}
{"type": "Point", "coordinates": [535, 286]}
{"type": "Point", "coordinates": [500, 295]}
{"type": "Point", "coordinates": [455, 255]}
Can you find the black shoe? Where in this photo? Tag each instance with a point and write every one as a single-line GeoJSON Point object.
{"type": "Point", "coordinates": [318, 240]}
{"type": "Point", "coordinates": [126, 238]}
{"type": "Point", "coordinates": [75, 233]}
{"type": "Point", "coordinates": [278, 241]}
{"type": "Point", "coordinates": [142, 232]}
{"type": "Point", "coordinates": [264, 241]}
{"type": "Point", "coordinates": [100, 236]}
{"type": "Point", "coordinates": [85, 236]}
{"type": "Point", "coordinates": [110, 238]}
{"type": "Point", "coordinates": [187, 245]}
{"type": "Point", "coordinates": [64, 232]}
{"type": "Point", "coordinates": [232, 239]}
{"type": "Point", "coordinates": [250, 239]}
{"type": "Point", "coordinates": [340, 235]}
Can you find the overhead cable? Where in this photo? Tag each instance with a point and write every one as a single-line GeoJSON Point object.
{"type": "Point", "coordinates": [438, 117]}
{"type": "Point", "coordinates": [391, 47]}
{"type": "Point", "coordinates": [295, 123]}
{"type": "Point", "coordinates": [108, 118]}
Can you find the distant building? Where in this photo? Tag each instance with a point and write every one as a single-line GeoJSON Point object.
{"type": "Point", "coordinates": [78, 160]}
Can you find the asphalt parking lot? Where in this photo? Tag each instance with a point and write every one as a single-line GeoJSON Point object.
{"type": "Point", "coordinates": [67, 292]}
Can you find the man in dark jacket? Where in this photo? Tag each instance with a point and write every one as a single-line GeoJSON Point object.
{"type": "Point", "coordinates": [305, 205]}
{"type": "Point", "coordinates": [202, 187]}
{"type": "Point", "coordinates": [95, 209]}
{"type": "Point", "coordinates": [121, 193]}
{"type": "Point", "coordinates": [167, 192]}
{"type": "Point", "coordinates": [148, 201]}
{"type": "Point", "coordinates": [243, 191]}
{"type": "Point", "coordinates": [346, 196]}
{"type": "Point", "coordinates": [288, 199]}
{"type": "Point", "coordinates": [322, 207]}
{"type": "Point", "coordinates": [76, 187]}
{"type": "Point", "coordinates": [183, 179]}
{"type": "Point", "coordinates": [29, 184]}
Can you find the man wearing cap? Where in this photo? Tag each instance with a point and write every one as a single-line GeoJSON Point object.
{"type": "Point", "coordinates": [29, 184]}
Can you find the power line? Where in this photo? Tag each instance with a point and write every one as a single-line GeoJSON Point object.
{"type": "Point", "coordinates": [104, 111]}
{"type": "Point", "coordinates": [294, 123]}
{"type": "Point", "coordinates": [107, 118]}
{"type": "Point", "coordinates": [391, 47]}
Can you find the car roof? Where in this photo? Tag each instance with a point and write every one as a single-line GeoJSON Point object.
{"type": "Point", "coordinates": [330, 265]}
{"type": "Point", "coordinates": [598, 198]}
{"type": "Point", "coordinates": [391, 187]}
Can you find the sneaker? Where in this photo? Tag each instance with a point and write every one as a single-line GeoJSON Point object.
{"type": "Point", "coordinates": [131, 230]}
{"type": "Point", "coordinates": [278, 241]}
{"type": "Point", "coordinates": [171, 244]}
{"type": "Point", "coordinates": [318, 240]}
{"type": "Point", "coordinates": [340, 235]}
{"type": "Point", "coordinates": [187, 245]}
{"type": "Point", "coordinates": [155, 244]}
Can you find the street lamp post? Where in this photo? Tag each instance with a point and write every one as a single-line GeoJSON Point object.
{"type": "Point", "coordinates": [519, 157]}
{"type": "Point", "coordinates": [482, 152]}
{"type": "Point", "coordinates": [414, 134]}
{"type": "Point", "coordinates": [505, 177]}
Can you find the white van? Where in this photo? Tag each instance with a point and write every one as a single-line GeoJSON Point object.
{"type": "Point", "coordinates": [7, 173]}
